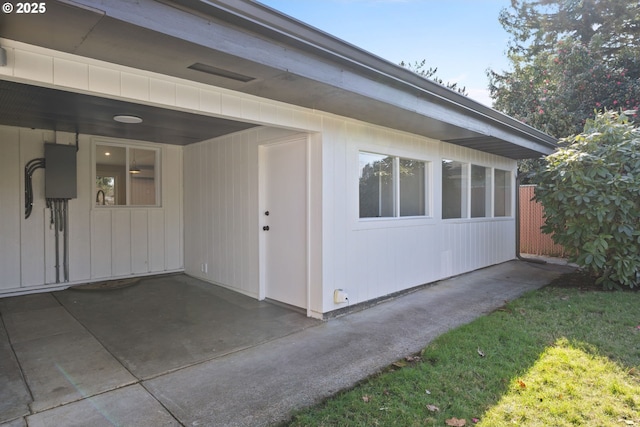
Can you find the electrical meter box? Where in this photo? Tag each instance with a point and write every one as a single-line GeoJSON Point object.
{"type": "Point", "coordinates": [60, 177]}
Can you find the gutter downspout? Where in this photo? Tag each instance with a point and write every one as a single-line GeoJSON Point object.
{"type": "Point", "coordinates": [518, 255]}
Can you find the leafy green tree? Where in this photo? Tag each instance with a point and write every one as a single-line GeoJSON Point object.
{"type": "Point", "coordinates": [590, 191]}
{"type": "Point", "coordinates": [559, 90]}
{"type": "Point", "coordinates": [536, 26]}
{"type": "Point", "coordinates": [569, 58]}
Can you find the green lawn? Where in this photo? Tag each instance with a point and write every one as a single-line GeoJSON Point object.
{"type": "Point", "coordinates": [566, 355]}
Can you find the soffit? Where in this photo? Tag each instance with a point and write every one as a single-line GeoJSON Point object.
{"type": "Point", "coordinates": [43, 108]}
{"type": "Point", "coordinates": [286, 60]}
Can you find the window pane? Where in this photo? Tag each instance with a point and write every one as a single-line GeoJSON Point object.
{"type": "Point", "coordinates": [502, 205]}
{"type": "Point", "coordinates": [412, 188]}
{"type": "Point", "coordinates": [126, 176]}
{"type": "Point", "coordinates": [480, 191]}
{"type": "Point", "coordinates": [111, 180]}
{"type": "Point", "coordinates": [143, 183]}
{"type": "Point", "coordinates": [454, 189]}
{"type": "Point", "coordinates": [376, 186]}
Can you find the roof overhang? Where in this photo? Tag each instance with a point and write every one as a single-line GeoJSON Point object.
{"type": "Point", "coordinates": [247, 47]}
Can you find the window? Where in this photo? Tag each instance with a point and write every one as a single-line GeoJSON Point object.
{"type": "Point", "coordinates": [480, 191]}
{"type": "Point", "coordinates": [126, 176]}
{"type": "Point", "coordinates": [466, 191]}
{"type": "Point", "coordinates": [392, 186]}
{"type": "Point", "coordinates": [412, 188]}
{"type": "Point", "coordinates": [502, 197]}
{"type": "Point", "coordinates": [454, 189]}
{"type": "Point", "coordinates": [376, 186]}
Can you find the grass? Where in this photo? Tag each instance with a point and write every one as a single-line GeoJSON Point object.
{"type": "Point", "coordinates": [565, 355]}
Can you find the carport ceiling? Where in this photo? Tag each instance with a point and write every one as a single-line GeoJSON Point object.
{"type": "Point", "coordinates": [43, 108]}
{"type": "Point", "coordinates": [243, 46]}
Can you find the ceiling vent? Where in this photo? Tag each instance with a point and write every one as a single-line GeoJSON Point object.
{"type": "Point", "coordinates": [215, 71]}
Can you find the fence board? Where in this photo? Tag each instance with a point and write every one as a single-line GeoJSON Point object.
{"type": "Point", "coordinates": [532, 239]}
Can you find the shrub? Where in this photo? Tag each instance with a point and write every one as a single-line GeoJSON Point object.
{"type": "Point", "coordinates": [590, 190]}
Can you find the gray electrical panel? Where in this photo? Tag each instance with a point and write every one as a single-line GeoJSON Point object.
{"type": "Point", "coordinates": [60, 178]}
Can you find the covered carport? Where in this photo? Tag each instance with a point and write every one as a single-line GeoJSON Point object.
{"type": "Point", "coordinates": [238, 72]}
{"type": "Point", "coordinates": [211, 83]}
{"type": "Point", "coordinates": [252, 49]}
{"type": "Point", "coordinates": [107, 333]}
{"type": "Point", "coordinates": [57, 348]}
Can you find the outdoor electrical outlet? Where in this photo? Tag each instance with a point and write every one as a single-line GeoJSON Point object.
{"type": "Point", "coordinates": [340, 296]}
{"type": "Point", "coordinates": [204, 267]}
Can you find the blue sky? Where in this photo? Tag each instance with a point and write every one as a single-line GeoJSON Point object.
{"type": "Point", "coordinates": [462, 38]}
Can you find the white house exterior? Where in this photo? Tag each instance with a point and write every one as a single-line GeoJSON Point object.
{"type": "Point", "coordinates": [375, 180]}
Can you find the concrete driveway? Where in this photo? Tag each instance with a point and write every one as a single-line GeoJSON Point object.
{"type": "Point", "coordinates": [174, 350]}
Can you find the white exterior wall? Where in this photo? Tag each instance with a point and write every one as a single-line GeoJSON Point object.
{"type": "Point", "coordinates": [368, 259]}
{"type": "Point", "coordinates": [221, 209]}
{"type": "Point", "coordinates": [103, 242]}
{"type": "Point", "coordinates": [371, 258]}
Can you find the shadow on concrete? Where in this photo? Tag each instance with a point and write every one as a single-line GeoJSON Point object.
{"type": "Point", "coordinates": [174, 350]}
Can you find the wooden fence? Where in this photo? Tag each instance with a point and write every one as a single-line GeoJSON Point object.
{"type": "Point", "coordinates": [532, 239]}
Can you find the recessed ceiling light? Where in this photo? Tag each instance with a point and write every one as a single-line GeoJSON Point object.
{"type": "Point", "coordinates": [107, 153]}
{"type": "Point", "coordinates": [124, 118]}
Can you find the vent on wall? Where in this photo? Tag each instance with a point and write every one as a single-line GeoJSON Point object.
{"type": "Point", "coordinates": [204, 68]}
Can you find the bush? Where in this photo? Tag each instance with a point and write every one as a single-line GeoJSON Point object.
{"type": "Point", "coordinates": [590, 190]}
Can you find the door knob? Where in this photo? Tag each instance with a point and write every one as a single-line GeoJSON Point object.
{"type": "Point", "coordinates": [265, 228]}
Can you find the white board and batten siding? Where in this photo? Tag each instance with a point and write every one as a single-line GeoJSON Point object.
{"type": "Point", "coordinates": [103, 242]}
{"type": "Point", "coordinates": [367, 258]}
{"type": "Point", "coordinates": [222, 213]}
{"type": "Point", "coordinates": [220, 242]}
{"type": "Point", "coordinates": [140, 240]}
{"type": "Point", "coordinates": [372, 258]}
{"type": "Point", "coordinates": [220, 194]}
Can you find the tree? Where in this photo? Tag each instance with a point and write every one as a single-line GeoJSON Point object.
{"type": "Point", "coordinates": [590, 191]}
{"type": "Point", "coordinates": [421, 69]}
{"type": "Point", "coordinates": [537, 26]}
{"type": "Point", "coordinates": [559, 90]}
{"type": "Point", "coordinates": [570, 58]}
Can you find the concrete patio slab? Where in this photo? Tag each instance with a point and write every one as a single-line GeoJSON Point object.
{"type": "Point", "coordinates": [14, 396]}
{"type": "Point", "coordinates": [18, 422]}
{"type": "Point", "coordinates": [61, 362]}
{"type": "Point", "coordinates": [67, 367]}
{"type": "Point", "coordinates": [27, 303]}
{"type": "Point", "coordinates": [262, 385]}
{"type": "Point", "coordinates": [275, 360]}
{"type": "Point", "coordinates": [31, 325]}
{"type": "Point", "coordinates": [129, 406]}
{"type": "Point", "coordinates": [167, 323]}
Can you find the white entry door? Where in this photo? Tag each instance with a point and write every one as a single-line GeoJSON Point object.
{"type": "Point", "coordinates": [284, 221]}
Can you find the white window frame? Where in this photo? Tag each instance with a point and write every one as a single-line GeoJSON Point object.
{"type": "Point", "coordinates": [428, 191]}
{"type": "Point", "coordinates": [491, 193]}
{"type": "Point", "coordinates": [508, 200]}
{"type": "Point", "coordinates": [128, 146]}
{"type": "Point", "coordinates": [465, 194]}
